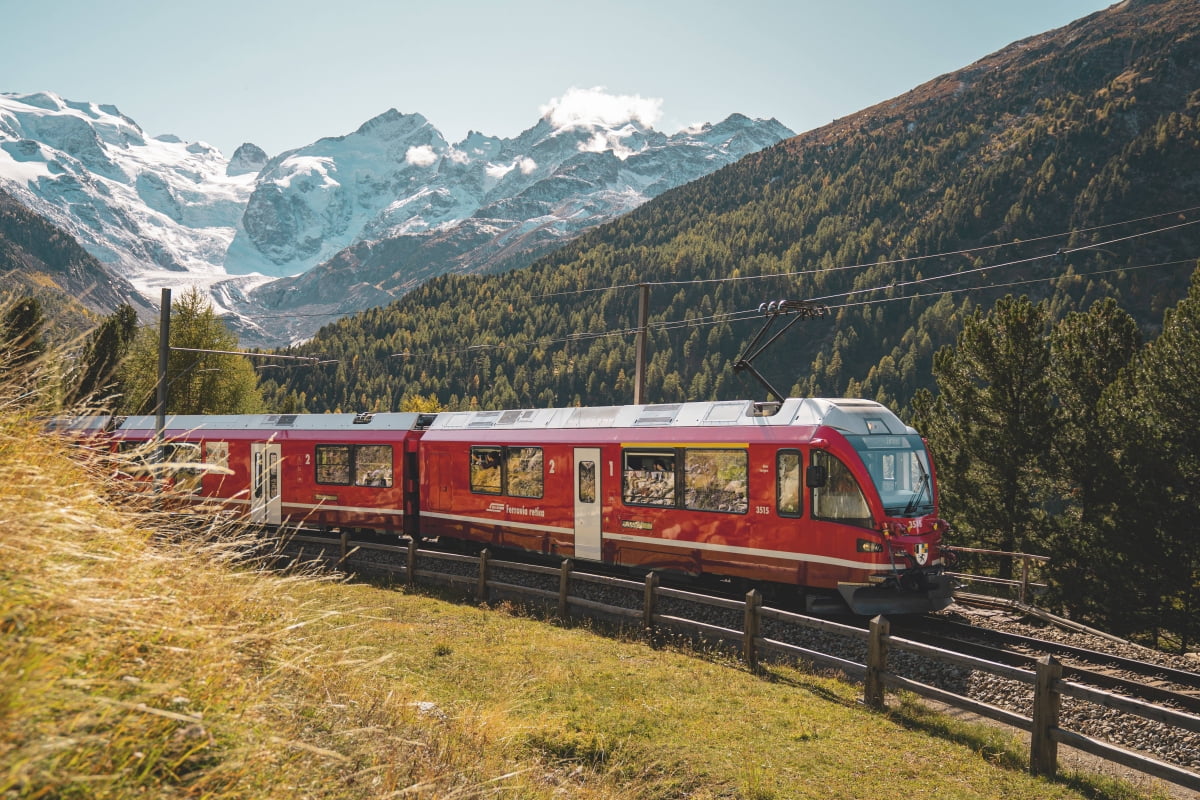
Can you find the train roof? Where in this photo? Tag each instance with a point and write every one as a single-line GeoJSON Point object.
{"type": "Point", "coordinates": [397, 421]}
{"type": "Point", "coordinates": [849, 415]}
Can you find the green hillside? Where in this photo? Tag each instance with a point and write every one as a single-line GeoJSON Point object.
{"type": "Point", "coordinates": [40, 260]}
{"type": "Point", "coordinates": [902, 219]}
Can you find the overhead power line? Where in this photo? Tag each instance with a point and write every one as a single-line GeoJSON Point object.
{"type": "Point", "coordinates": [908, 259]}
{"type": "Point", "coordinates": [866, 265]}
{"type": "Point", "coordinates": [734, 316]}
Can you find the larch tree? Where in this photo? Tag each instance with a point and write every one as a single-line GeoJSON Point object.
{"type": "Point", "coordinates": [197, 382]}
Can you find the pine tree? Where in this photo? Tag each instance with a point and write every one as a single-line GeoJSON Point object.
{"type": "Point", "coordinates": [21, 332]}
{"type": "Point", "coordinates": [990, 426]}
{"type": "Point", "coordinates": [1155, 416]}
{"type": "Point", "coordinates": [101, 358]}
{"type": "Point", "coordinates": [1088, 352]}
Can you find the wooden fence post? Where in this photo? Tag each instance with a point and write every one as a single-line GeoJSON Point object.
{"type": "Point", "coordinates": [481, 591]}
{"type": "Point", "coordinates": [648, 601]}
{"type": "Point", "coordinates": [874, 692]}
{"type": "Point", "coordinates": [1043, 750]}
{"type": "Point", "coordinates": [750, 629]}
{"type": "Point", "coordinates": [412, 561]}
{"type": "Point", "coordinates": [564, 590]}
{"type": "Point", "coordinates": [345, 538]}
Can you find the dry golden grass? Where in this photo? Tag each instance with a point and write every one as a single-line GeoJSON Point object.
{"type": "Point", "coordinates": [134, 665]}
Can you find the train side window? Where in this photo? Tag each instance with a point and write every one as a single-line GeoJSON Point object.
{"type": "Point", "coordinates": [485, 470]}
{"type": "Point", "coordinates": [217, 454]}
{"type": "Point", "coordinates": [189, 470]}
{"type": "Point", "coordinates": [648, 478]}
{"type": "Point", "coordinates": [787, 483]}
{"type": "Point", "coordinates": [373, 465]}
{"type": "Point", "coordinates": [333, 464]}
{"type": "Point", "coordinates": [524, 471]}
{"type": "Point", "coordinates": [841, 498]}
{"type": "Point", "coordinates": [587, 481]}
{"type": "Point", "coordinates": [715, 480]}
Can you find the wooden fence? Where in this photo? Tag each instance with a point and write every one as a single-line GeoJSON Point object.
{"type": "Point", "coordinates": [1026, 564]}
{"type": "Point", "coordinates": [1046, 683]}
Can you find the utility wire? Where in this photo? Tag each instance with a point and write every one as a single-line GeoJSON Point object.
{"type": "Point", "coordinates": [738, 316]}
{"type": "Point", "coordinates": [908, 259]}
{"type": "Point", "coordinates": [1095, 246]}
{"type": "Point", "coordinates": [1191, 261]}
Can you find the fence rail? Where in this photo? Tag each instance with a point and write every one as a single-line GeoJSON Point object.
{"type": "Point", "coordinates": [1025, 586]}
{"type": "Point", "coordinates": [1045, 683]}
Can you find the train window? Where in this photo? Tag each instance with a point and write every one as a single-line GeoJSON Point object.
{"type": "Point", "coordinates": [841, 498]}
{"type": "Point", "coordinates": [715, 480]}
{"type": "Point", "coordinates": [648, 478]}
{"type": "Point", "coordinates": [587, 481]}
{"type": "Point", "coordinates": [217, 454]}
{"type": "Point", "coordinates": [188, 472]}
{"type": "Point", "coordinates": [524, 472]}
{"type": "Point", "coordinates": [373, 465]}
{"type": "Point", "coordinates": [787, 483]}
{"type": "Point", "coordinates": [358, 465]}
{"type": "Point", "coordinates": [485, 470]}
{"type": "Point", "coordinates": [333, 464]}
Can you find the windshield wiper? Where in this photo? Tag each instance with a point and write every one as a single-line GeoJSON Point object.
{"type": "Point", "coordinates": [916, 498]}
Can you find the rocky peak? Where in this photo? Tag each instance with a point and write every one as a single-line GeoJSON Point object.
{"type": "Point", "coordinates": [246, 159]}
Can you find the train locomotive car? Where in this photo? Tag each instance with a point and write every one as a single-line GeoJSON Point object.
{"type": "Point", "coordinates": [328, 471]}
{"type": "Point", "coordinates": [826, 498]}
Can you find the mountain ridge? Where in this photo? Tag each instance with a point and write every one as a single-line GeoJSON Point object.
{"type": "Point", "coordinates": [159, 211]}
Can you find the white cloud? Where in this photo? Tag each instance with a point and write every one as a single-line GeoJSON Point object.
{"type": "Point", "coordinates": [497, 171]}
{"type": "Point", "coordinates": [457, 156]}
{"type": "Point", "coordinates": [597, 144]}
{"type": "Point", "coordinates": [608, 140]}
{"type": "Point", "coordinates": [422, 156]}
{"type": "Point", "coordinates": [579, 108]}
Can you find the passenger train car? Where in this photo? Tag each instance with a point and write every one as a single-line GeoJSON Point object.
{"type": "Point", "coordinates": [825, 498]}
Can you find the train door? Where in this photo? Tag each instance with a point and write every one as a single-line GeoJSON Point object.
{"type": "Point", "coordinates": [440, 487]}
{"type": "Point", "coordinates": [587, 502]}
{"type": "Point", "coordinates": [266, 506]}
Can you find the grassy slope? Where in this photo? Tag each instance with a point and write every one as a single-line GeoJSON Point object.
{"type": "Point", "coordinates": [134, 668]}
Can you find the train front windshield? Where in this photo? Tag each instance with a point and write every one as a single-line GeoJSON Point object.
{"type": "Point", "coordinates": [899, 468]}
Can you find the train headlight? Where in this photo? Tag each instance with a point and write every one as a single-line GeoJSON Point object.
{"type": "Point", "coordinates": [867, 546]}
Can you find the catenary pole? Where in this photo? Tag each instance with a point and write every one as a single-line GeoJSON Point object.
{"type": "Point", "coordinates": [639, 376]}
{"type": "Point", "coordinates": [164, 350]}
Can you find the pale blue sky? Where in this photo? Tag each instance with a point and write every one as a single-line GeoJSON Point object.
{"type": "Point", "coordinates": [283, 73]}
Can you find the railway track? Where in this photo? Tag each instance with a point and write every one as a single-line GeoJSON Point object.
{"type": "Point", "coordinates": [1146, 680]}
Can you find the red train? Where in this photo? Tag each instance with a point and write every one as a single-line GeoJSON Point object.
{"type": "Point", "coordinates": [828, 498]}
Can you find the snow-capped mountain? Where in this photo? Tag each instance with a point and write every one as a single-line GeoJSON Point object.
{"type": "Point", "coordinates": [155, 211]}
{"type": "Point", "coordinates": [288, 243]}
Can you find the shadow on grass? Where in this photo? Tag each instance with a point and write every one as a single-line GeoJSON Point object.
{"type": "Point", "coordinates": [1000, 747]}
